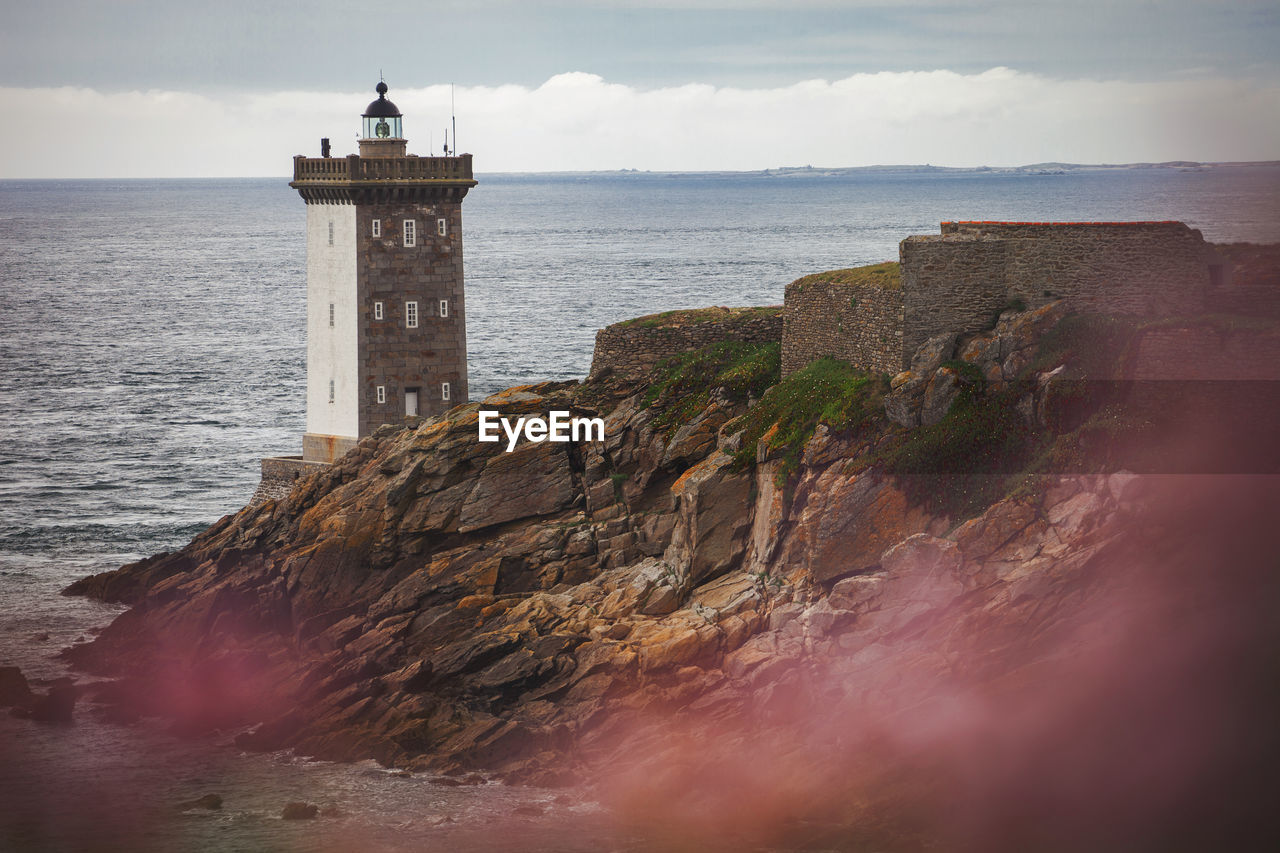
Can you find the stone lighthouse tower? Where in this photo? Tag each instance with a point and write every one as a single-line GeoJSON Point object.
{"type": "Point", "coordinates": [386, 318]}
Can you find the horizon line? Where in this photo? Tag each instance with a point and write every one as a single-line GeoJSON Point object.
{"type": "Point", "coordinates": [886, 167]}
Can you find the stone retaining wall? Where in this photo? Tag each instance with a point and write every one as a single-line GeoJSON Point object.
{"type": "Point", "coordinates": [1252, 284]}
{"type": "Point", "coordinates": [1207, 351]}
{"type": "Point", "coordinates": [959, 279]}
{"type": "Point", "coordinates": [629, 351]}
{"type": "Point", "coordinates": [280, 474]}
{"type": "Point", "coordinates": [858, 323]}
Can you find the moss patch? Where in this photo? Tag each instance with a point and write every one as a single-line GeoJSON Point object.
{"type": "Point", "coordinates": [685, 382]}
{"type": "Point", "coordinates": [694, 316]}
{"type": "Point", "coordinates": [887, 276]}
{"type": "Point", "coordinates": [827, 391]}
{"type": "Point", "coordinates": [1223, 324]}
{"type": "Point", "coordinates": [962, 464]}
{"type": "Point", "coordinates": [1096, 345]}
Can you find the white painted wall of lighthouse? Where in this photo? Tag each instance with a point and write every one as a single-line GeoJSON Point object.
{"type": "Point", "coordinates": [332, 350]}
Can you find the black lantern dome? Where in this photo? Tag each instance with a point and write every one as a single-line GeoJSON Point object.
{"type": "Point", "coordinates": [382, 118]}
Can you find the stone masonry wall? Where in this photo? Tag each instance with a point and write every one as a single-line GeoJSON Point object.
{"type": "Point", "coordinates": [629, 351]}
{"type": "Point", "coordinates": [279, 475]}
{"type": "Point", "coordinates": [861, 324]}
{"type": "Point", "coordinates": [1207, 351]}
{"type": "Point", "coordinates": [958, 280]}
{"type": "Point", "coordinates": [1221, 377]}
{"type": "Point", "coordinates": [1251, 283]}
{"type": "Point", "coordinates": [393, 355]}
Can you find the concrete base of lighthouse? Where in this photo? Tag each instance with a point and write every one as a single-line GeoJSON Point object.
{"type": "Point", "coordinates": [326, 449]}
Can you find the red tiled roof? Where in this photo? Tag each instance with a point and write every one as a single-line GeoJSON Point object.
{"type": "Point", "coordinates": [994, 222]}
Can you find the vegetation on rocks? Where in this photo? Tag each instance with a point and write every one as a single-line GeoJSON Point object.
{"type": "Point", "coordinates": [961, 465]}
{"type": "Point", "coordinates": [684, 384]}
{"type": "Point", "coordinates": [827, 391]}
{"type": "Point", "coordinates": [887, 275]}
{"type": "Point", "coordinates": [691, 316]}
{"type": "Point", "coordinates": [1094, 344]}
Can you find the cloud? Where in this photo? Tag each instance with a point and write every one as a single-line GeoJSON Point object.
{"type": "Point", "coordinates": [580, 121]}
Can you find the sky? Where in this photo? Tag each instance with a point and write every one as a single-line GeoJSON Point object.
{"type": "Point", "coordinates": [150, 88]}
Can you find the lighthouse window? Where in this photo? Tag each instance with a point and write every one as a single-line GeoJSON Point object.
{"type": "Point", "coordinates": [444, 390]}
{"type": "Point", "coordinates": [382, 393]}
{"type": "Point", "coordinates": [377, 310]}
{"type": "Point", "coordinates": [377, 228]}
{"type": "Point", "coordinates": [442, 227]}
{"type": "Point", "coordinates": [330, 390]}
{"type": "Point", "coordinates": [410, 233]}
{"type": "Point", "coordinates": [330, 315]}
{"type": "Point", "coordinates": [411, 315]}
{"type": "Point", "coordinates": [330, 232]}
{"type": "Point", "coordinates": [444, 307]}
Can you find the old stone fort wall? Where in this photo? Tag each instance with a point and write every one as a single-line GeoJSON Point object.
{"type": "Point", "coordinates": [629, 351]}
{"type": "Point", "coordinates": [960, 279]}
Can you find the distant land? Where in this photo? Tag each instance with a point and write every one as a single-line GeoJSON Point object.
{"type": "Point", "coordinates": [1051, 168]}
{"type": "Point", "coordinates": [807, 171]}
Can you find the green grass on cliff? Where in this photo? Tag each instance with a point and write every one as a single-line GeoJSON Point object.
{"type": "Point", "coordinates": [694, 316]}
{"type": "Point", "coordinates": [827, 391]}
{"type": "Point", "coordinates": [1095, 345]}
{"type": "Point", "coordinates": [887, 276]}
{"type": "Point", "coordinates": [684, 383]}
{"type": "Point", "coordinates": [964, 463]}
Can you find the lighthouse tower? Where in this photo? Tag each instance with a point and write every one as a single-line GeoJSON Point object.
{"type": "Point", "coordinates": [386, 319]}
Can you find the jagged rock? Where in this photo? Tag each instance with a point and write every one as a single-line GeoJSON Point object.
{"type": "Point", "coordinates": [942, 391]}
{"type": "Point", "coordinates": [849, 521]}
{"type": "Point", "coordinates": [768, 517]}
{"type": "Point", "coordinates": [930, 355]}
{"type": "Point", "coordinates": [654, 534]}
{"type": "Point", "coordinates": [655, 588]}
{"type": "Point", "coordinates": [669, 645]}
{"type": "Point", "coordinates": [856, 594]}
{"type": "Point", "coordinates": [443, 606]}
{"type": "Point", "coordinates": [710, 532]}
{"type": "Point", "coordinates": [14, 690]}
{"type": "Point", "coordinates": [911, 389]}
{"type": "Point", "coordinates": [534, 479]}
{"type": "Point", "coordinates": [981, 348]}
{"type": "Point", "coordinates": [919, 576]}
{"type": "Point", "coordinates": [727, 595]}
{"type": "Point", "coordinates": [980, 537]}
{"type": "Point", "coordinates": [694, 440]}
{"type": "Point", "coordinates": [58, 706]}
{"type": "Point", "coordinates": [299, 811]}
{"type": "Point", "coordinates": [824, 447]}
{"type": "Point", "coordinates": [1019, 330]}
{"type": "Point", "coordinates": [902, 405]}
{"type": "Point", "coordinates": [209, 802]}
{"type": "Point", "coordinates": [1126, 488]}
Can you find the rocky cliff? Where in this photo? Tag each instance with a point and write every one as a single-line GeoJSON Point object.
{"type": "Point", "coordinates": [764, 610]}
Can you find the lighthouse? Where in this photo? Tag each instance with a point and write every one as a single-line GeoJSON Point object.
{"type": "Point", "coordinates": [386, 314]}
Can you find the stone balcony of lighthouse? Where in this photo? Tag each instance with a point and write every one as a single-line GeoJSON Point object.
{"type": "Point", "coordinates": [366, 180]}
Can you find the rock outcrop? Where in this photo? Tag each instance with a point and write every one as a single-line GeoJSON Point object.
{"type": "Point", "coordinates": [590, 610]}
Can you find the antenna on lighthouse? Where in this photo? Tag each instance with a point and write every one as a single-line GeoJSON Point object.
{"type": "Point", "coordinates": [453, 113]}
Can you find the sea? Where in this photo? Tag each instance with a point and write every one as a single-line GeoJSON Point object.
{"type": "Point", "coordinates": [152, 351]}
